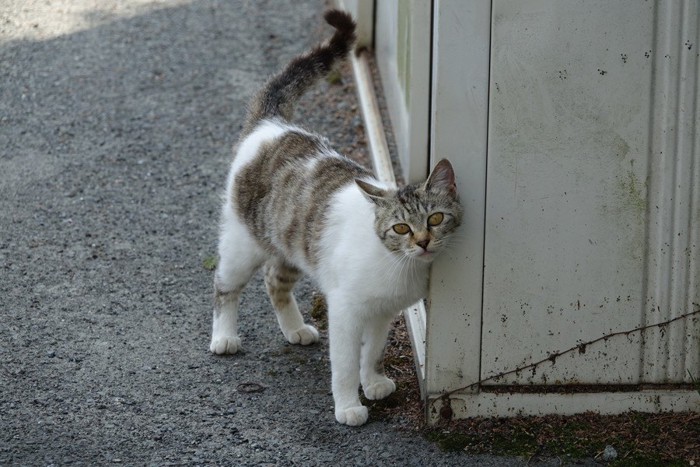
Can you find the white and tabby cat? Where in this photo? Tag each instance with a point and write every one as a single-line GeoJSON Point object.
{"type": "Point", "coordinates": [295, 205]}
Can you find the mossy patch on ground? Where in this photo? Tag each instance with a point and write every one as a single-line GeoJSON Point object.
{"type": "Point", "coordinates": [666, 439]}
{"type": "Point", "coordinates": [638, 438]}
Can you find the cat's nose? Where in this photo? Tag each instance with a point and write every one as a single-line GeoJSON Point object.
{"type": "Point", "coordinates": [423, 243]}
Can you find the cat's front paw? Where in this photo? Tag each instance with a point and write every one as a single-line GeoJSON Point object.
{"type": "Point", "coordinates": [379, 389]}
{"type": "Point", "coordinates": [306, 335]}
{"type": "Point", "coordinates": [352, 416]}
{"type": "Point", "coordinates": [225, 345]}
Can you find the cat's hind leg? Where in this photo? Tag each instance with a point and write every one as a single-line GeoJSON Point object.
{"type": "Point", "coordinates": [239, 257]}
{"type": "Point", "coordinates": [280, 278]}
{"type": "Point", "coordinates": [375, 384]}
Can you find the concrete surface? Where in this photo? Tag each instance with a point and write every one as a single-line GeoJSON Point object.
{"type": "Point", "coordinates": [116, 125]}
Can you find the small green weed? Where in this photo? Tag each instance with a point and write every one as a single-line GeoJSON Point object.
{"type": "Point", "coordinates": [334, 77]}
{"type": "Point", "coordinates": [209, 263]}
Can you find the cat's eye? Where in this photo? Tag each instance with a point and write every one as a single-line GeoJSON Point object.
{"type": "Point", "coordinates": [401, 229]}
{"type": "Point", "coordinates": [435, 219]}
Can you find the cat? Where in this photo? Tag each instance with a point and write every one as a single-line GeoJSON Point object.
{"type": "Point", "coordinates": [293, 205]}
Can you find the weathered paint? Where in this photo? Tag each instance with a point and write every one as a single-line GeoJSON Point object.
{"type": "Point", "coordinates": [673, 265]}
{"type": "Point", "coordinates": [573, 183]}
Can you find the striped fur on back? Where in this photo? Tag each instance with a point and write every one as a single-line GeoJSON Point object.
{"type": "Point", "coordinates": [283, 194]}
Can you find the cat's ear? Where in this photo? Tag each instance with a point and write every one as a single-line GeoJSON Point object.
{"type": "Point", "coordinates": [371, 192]}
{"type": "Point", "coordinates": [442, 178]}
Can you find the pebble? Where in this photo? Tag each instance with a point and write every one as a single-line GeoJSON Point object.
{"type": "Point", "coordinates": [609, 454]}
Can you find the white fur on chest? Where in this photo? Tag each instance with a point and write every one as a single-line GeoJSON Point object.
{"type": "Point", "coordinates": [355, 261]}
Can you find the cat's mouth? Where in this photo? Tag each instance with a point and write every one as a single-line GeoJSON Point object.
{"type": "Point", "coordinates": [425, 255]}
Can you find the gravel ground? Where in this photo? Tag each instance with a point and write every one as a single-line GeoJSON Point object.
{"type": "Point", "coordinates": [116, 123]}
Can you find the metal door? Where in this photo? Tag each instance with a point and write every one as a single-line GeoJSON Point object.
{"type": "Point", "coordinates": [593, 196]}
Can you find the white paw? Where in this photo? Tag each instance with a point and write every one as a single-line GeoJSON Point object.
{"type": "Point", "coordinates": [353, 416]}
{"type": "Point", "coordinates": [305, 335]}
{"type": "Point", "coordinates": [225, 345]}
{"type": "Point", "coordinates": [379, 389]}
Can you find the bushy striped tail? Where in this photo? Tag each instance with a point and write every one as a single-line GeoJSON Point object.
{"type": "Point", "coordinates": [282, 91]}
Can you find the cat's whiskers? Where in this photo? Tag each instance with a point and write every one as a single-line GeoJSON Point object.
{"type": "Point", "coordinates": [448, 244]}
{"type": "Point", "coordinates": [397, 265]}
{"type": "Point", "coordinates": [414, 266]}
{"type": "Point", "coordinates": [409, 270]}
{"type": "Point", "coordinates": [397, 271]}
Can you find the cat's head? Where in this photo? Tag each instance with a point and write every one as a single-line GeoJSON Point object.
{"type": "Point", "coordinates": [417, 220]}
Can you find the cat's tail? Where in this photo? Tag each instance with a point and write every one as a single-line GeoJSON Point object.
{"type": "Point", "coordinates": [282, 91]}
